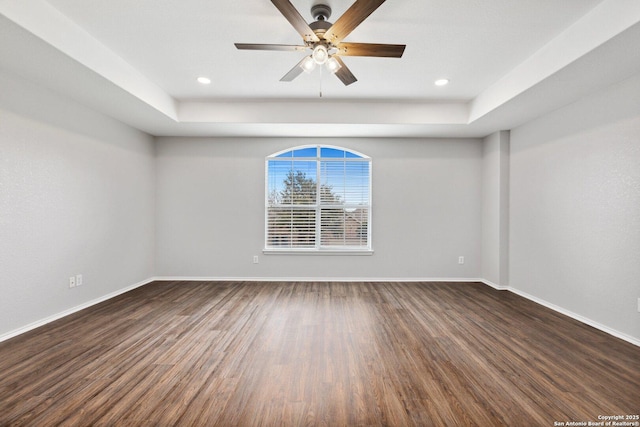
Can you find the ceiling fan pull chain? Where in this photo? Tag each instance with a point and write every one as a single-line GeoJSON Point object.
{"type": "Point", "coordinates": [321, 81]}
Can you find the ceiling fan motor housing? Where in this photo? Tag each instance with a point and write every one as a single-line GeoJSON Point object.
{"type": "Point", "coordinates": [321, 14]}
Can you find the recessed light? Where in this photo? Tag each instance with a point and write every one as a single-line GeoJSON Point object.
{"type": "Point", "coordinates": [441, 82]}
{"type": "Point", "coordinates": [204, 80]}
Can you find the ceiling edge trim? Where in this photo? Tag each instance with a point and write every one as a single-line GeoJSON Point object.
{"type": "Point", "coordinates": [47, 23]}
{"type": "Point", "coordinates": [607, 20]}
{"type": "Point", "coordinates": [323, 112]}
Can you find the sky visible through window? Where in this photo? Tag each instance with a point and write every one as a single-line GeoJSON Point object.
{"type": "Point", "coordinates": [344, 172]}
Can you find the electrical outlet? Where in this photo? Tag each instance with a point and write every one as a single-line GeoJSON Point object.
{"type": "Point", "coordinates": [72, 281]}
{"type": "Point", "coordinates": [460, 260]}
{"type": "Point", "coordinates": [255, 259]}
{"type": "Point", "coordinates": [78, 279]}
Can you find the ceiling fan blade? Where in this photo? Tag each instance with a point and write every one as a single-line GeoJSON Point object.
{"type": "Point", "coordinates": [293, 16]}
{"type": "Point", "coordinates": [357, 13]}
{"type": "Point", "coordinates": [294, 72]}
{"type": "Point", "coordinates": [344, 74]}
{"type": "Point", "coordinates": [280, 47]}
{"type": "Point", "coordinates": [371, 49]}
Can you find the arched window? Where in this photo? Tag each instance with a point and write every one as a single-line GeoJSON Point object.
{"type": "Point", "coordinates": [318, 198]}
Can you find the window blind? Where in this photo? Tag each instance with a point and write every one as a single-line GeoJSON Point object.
{"type": "Point", "coordinates": [318, 198]}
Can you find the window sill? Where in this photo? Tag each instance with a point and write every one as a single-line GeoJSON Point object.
{"type": "Point", "coordinates": [350, 252]}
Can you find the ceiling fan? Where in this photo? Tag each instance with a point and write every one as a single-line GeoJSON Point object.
{"type": "Point", "coordinates": [324, 39]}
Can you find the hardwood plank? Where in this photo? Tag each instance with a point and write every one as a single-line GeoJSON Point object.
{"type": "Point", "coordinates": [338, 354]}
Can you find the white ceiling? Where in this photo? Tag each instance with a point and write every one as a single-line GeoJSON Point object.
{"type": "Point", "coordinates": [508, 61]}
{"type": "Point", "coordinates": [472, 42]}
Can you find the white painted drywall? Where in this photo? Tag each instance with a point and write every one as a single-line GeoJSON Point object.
{"type": "Point", "coordinates": [575, 208]}
{"type": "Point", "coordinates": [495, 208]}
{"type": "Point", "coordinates": [77, 194]}
{"type": "Point", "coordinates": [426, 210]}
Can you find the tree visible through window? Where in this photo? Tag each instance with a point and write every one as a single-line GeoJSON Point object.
{"type": "Point", "coordinates": [318, 198]}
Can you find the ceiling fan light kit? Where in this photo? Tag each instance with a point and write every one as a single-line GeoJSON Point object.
{"type": "Point", "coordinates": [333, 65]}
{"type": "Point", "coordinates": [324, 39]}
{"type": "Point", "coordinates": [308, 64]}
{"type": "Point", "coordinates": [320, 54]}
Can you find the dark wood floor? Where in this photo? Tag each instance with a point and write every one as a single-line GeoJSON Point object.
{"type": "Point", "coordinates": [334, 354]}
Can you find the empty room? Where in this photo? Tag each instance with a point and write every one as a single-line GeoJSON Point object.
{"type": "Point", "coordinates": [320, 212]}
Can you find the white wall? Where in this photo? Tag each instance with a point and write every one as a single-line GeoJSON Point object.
{"type": "Point", "coordinates": [495, 209]}
{"type": "Point", "coordinates": [426, 210]}
{"type": "Point", "coordinates": [575, 208]}
{"type": "Point", "coordinates": [76, 197]}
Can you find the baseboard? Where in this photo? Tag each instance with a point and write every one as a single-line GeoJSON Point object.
{"type": "Point", "coordinates": [494, 286]}
{"type": "Point", "coordinates": [316, 279]}
{"type": "Point", "coordinates": [65, 313]}
{"type": "Point", "coordinates": [568, 313]}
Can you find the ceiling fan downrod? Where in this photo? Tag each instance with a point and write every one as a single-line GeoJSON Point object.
{"type": "Point", "coordinates": [321, 12]}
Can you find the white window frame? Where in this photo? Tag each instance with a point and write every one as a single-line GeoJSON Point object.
{"type": "Point", "coordinates": [319, 249]}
